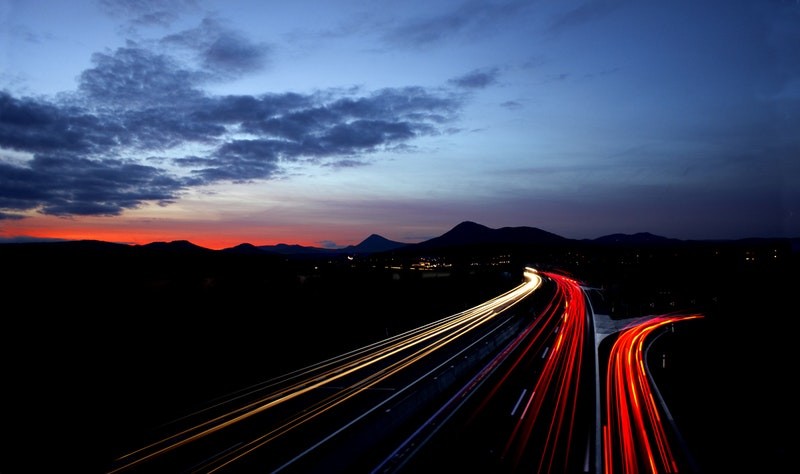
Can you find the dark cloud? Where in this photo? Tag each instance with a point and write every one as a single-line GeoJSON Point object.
{"type": "Point", "coordinates": [33, 126]}
{"type": "Point", "coordinates": [344, 138]}
{"type": "Point", "coordinates": [317, 128]}
{"type": "Point", "coordinates": [221, 50]}
{"type": "Point", "coordinates": [134, 76]}
{"type": "Point", "coordinates": [163, 127]}
{"type": "Point", "coordinates": [73, 156]}
{"type": "Point", "coordinates": [411, 103]}
{"type": "Point", "coordinates": [242, 160]}
{"type": "Point", "coordinates": [68, 185]}
{"type": "Point", "coordinates": [471, 18]}
{"type": "Point", "coordinates": [346, 164]}
{"type": "Point", "coordinates": [478, 79]}
{"type": "Point", "coordinates": [233, 54]}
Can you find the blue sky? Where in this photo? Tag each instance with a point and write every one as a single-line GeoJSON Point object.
{"type": "Point", "coordinates": [321, 122]}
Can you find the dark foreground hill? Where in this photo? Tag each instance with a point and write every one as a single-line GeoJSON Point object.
{"type": "Point", "coordinates": [104, 340]}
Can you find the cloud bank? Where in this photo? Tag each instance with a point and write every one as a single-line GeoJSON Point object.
{"type": "Point", "coordinates": [140, 127]}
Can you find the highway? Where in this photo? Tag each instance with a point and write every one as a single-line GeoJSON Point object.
{"type": "Point", "coordinates": [510, 385]}
{"type": "Point", "coordinates": [532, 411]}
{"type": "Point", "coordinates": [310, 417]}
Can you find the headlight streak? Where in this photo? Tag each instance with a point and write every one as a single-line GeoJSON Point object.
{"type": "Point", "coordinates": [434, 335]}
{"type": "Point", "coordinates": [355, 389]}
{"type": "Point", "coordinates": [634, 437]}
{"type": "Point", "coordinates": [533, 282]}
{"type": "Point", "coordinates": [559, 331]}
{"type": "Point", "coordinates": [300, 388]}
{"type": "Point", "coordinates": [429, 428]}
{"type": "Point", "coordinates": [397, 394]}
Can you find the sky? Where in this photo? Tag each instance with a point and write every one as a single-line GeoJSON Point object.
{"type": "Point", "coordinates": [322, 122]}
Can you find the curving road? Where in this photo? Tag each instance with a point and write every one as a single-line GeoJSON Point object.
{"type": "Point", "coordinates": [637, 434]}
{"type": "Point", "coordinates": [533, 410]}
{"type": "Point", "coordinates": [511, 385]}
{"type": "Point", "coordinates": [309, 419]}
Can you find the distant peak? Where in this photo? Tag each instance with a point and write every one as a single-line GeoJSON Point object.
{"type": "Point", "coordinates": [244, 248]}
{"type": "Point", "coordinates": [374, 237]}
{"type": "Point", "coordinates": [375, 243]}
{"type": "Point", "coordinates": [469, 225]}
{"type": "Point", "coordinates": [175, 244]}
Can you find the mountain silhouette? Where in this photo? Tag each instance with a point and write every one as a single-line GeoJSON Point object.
{"type": "Point", "coordinates": [374, 243]}
{"type": "Point", "coordinates": [469, 233]}
{"type": "Point", "coordinates": [465, 235]}
{"type": "Point", "coordinates": [245, 249]}
{"type": "Point", "coordinates": [176, 246]}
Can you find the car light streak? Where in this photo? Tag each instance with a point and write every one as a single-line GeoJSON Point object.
{"type": "Point", "coordinates": [384, 359]}
{"type": "Point", "coordinates": [468, 387]}
{"type": "Point", "coordinates": [634, 436]}
{"type": "Point", "coordinates": [546, 425]}
{"type": "Point", "coordinates": [542, 435]}
{"type": "Point", "coordinates": [427, 429]}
